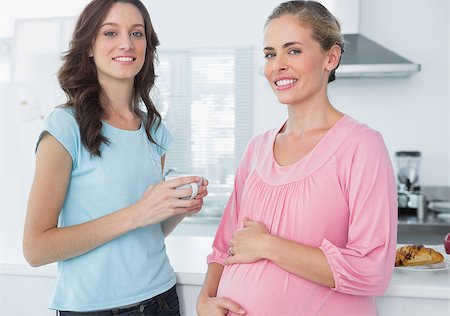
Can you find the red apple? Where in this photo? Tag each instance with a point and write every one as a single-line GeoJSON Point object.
{"type": "Point", "coordinates": [447, 243]}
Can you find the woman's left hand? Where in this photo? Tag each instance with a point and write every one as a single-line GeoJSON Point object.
{"type": "Point", "coordinates": [248, 243]}
{"type": "Point", "coordinates": [202, 192]}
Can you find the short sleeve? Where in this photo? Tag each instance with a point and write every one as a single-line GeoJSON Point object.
{"type": "Point", "coordinates": [162, 137]}
{"type": "Point", "coordinates": [62, 125]}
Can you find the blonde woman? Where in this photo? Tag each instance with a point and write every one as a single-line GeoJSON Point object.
{"type": "Point", "coordinates": [310, 228]}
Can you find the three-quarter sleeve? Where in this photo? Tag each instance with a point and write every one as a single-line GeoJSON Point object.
{"type": "Point", "coordinates": [364, 266]}
{"type": "Point", "coordinates": [229, 221]}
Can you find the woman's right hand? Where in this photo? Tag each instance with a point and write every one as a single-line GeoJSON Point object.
{"type": "Point", "coordinates": [162, 201]}
{"type": "Point", "coordinates": [217, 306]}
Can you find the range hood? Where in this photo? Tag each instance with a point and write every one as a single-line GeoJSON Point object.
{"type": "Point", "coordinates": [365, 58]}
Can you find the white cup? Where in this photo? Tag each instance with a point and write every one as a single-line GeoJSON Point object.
{"type": "Point", "coordinates": [193, 185]}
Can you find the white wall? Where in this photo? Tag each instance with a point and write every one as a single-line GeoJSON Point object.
{"type": "Point", "coordinates": [13, 9]}
{"type": "Point", "coordinates": [200, 23]}
{"type": "Point", "coordinates": [419, 106]}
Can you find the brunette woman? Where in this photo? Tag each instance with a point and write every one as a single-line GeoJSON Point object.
{"type": "Point", "coordinates": [97, 205]}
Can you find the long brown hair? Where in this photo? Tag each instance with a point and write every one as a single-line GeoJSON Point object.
{"type": "Point", "coordinates": [324, 26]}
{"type": "Point", "coordinates": [78, 75]}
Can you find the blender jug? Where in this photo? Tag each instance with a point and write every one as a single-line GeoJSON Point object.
{"type": "Point", "coordinates": [408, 163]}
{"type": "Point", "coordinates": [409, 195]}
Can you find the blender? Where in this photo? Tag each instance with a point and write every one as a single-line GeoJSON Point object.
{"type": "Point", "coordinates": [409, 196]}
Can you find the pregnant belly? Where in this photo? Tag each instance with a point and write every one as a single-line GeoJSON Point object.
{"type": "Point", "coordinates": [262, 288]}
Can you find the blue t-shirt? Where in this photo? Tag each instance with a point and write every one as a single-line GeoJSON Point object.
{"type": "Point", "coordinates": [134, 266]}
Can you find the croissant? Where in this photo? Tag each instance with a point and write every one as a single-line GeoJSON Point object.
{"type": "Point", "coordinates": [416, 255]}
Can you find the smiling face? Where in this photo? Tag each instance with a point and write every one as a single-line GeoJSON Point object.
{"type": "Point", "coordinates": [296, 66]}
{"type": "Point", "coordinates": [119, 48]}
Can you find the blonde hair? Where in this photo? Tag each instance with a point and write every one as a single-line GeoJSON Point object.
{"type": "Point", "coordinates": [324, 26]}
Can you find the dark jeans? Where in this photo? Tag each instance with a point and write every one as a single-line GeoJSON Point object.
{"type": "Point", "coordinates": [164, 304]}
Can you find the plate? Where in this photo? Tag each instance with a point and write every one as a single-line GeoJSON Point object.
{"type": "Point", "coordinates": [440, 206]}
{"type": "Point", "coordinates": [440, 266]}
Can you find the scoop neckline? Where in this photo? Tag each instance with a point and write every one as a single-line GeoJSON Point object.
{"type": "Point", "coordinates": [120, 130]}
{"type": "Point", "coordinates": [311, 152]}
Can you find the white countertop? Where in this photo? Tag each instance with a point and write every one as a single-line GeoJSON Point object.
{"type": "Point", "coordinates": [187, 255]}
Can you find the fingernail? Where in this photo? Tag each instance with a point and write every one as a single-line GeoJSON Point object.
{"type": "Point", "coordinates": [241, 311]}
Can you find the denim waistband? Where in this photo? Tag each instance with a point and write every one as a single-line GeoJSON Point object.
{"type": "Point", "coordinates": [118, 310]}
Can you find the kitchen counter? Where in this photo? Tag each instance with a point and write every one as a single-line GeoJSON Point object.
{"type": "Point", "coordinates": [431, 218]}
{"type": "Point", "coordinates": [188, 257]}
{"type": "Point", "coordinates": [430, 230]}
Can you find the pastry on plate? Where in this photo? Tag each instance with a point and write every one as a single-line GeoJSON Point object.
{"type": "Point", "coordinates": [417, 255]}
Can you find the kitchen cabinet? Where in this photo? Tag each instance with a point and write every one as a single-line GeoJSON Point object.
{"type": "Point", "coordinates": [19, 284]}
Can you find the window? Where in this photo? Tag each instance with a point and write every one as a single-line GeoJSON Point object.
{"type": "Point", "coordinates": [205, 97]}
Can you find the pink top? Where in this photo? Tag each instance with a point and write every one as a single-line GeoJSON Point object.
{"type": "Point", "coordinates": [341, 197]}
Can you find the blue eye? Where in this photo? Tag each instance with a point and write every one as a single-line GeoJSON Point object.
{"type": "Point", "coordinates": [269, 55]}
{"type": "Point", "coordinates": [110, 33]}
{"type": "Point", "coordinates": [295, 52]}
{"type": "Point", "coordinates": [137, 34]}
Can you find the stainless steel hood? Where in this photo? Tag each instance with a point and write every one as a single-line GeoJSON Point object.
{"type": "Point", "coordinates": [365, 58]}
